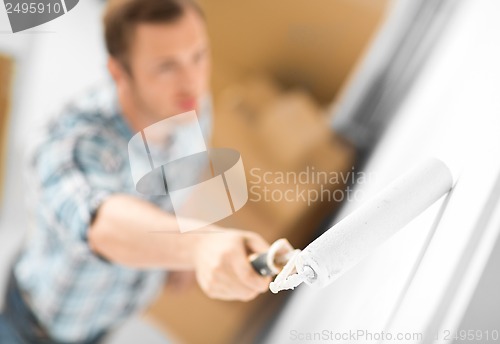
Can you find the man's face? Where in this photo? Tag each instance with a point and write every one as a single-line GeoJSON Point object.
{"type": "Point", "coordinates": [169, 65]}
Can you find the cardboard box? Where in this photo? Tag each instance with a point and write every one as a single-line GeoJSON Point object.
{"type": "Point", "coordinates": [278, 146]}
{"type": "Point", "coordinates": [310, 45]}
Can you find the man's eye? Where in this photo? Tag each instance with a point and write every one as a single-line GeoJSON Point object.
{"type": "Point", "coordinates": [166, 67]}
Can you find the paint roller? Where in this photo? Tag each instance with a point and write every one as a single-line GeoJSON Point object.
{"type": "Point", "coordinates": [357, 235]}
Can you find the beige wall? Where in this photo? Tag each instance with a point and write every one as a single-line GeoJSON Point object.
{"type": "Point", "coordinates": [5, 80]}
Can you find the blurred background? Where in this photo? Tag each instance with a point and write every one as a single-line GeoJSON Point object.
{"type": "Point", "coordinates": [329, 85]}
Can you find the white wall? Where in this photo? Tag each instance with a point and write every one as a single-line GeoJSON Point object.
{"type": "Point", "coordinates": [453, 113]}
{"type": "Point", "coordinates": [54, 63]}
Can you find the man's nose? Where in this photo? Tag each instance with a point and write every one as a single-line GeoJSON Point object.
{"type": "Point", "coordinates": [188, 79]}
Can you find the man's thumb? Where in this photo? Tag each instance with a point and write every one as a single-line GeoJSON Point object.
{"type": "Point", "coordinates": [255, 243]}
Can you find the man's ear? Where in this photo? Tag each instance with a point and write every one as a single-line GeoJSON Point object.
{"type": "Point", "coordinates": [117, 71]}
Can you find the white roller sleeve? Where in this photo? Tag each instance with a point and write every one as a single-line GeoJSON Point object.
{"type": "Point", "coordinates": [361, 232]}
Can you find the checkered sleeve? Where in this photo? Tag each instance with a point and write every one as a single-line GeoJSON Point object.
{"type": "Point", "coordinates": [75, 173]}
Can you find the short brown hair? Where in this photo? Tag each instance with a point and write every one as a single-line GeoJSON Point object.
{"type": "Point", "coordinates": [122, 16]}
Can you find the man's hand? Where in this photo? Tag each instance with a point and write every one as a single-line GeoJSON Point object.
{"type": "Point", "coordinates": [145, 236]}
{"type": "Point", "coordinates": [223, 270]}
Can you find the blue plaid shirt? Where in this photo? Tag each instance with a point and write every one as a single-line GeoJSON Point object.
{"type": "Point", "coordinates": [82, 160]}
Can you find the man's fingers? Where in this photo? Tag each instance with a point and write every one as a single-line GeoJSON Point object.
{"type": "Point", "coordinates": [248, 276]}
{"type": "Point", "coordinates": [229, 288]}
{"type": "Point", "coordinates": [221, 282]}
{"type": "Point", "coordinates": [246, 272]}
{"type": "Point", "coordinates": [227, 273]}
{"type": "Point", "coordinates": [256, 243]}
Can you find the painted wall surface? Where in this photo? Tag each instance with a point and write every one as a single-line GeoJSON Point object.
{"type": "Point", "coordinates": [450, 113]}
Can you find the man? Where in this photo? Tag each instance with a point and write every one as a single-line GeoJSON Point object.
{"type": "Point", "coordinates": [93, 259]}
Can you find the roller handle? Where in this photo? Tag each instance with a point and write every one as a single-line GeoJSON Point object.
{"type": "Point", "coordinates": [271, 262]}
{"type": "Point", "coordinates": [259, 263]}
